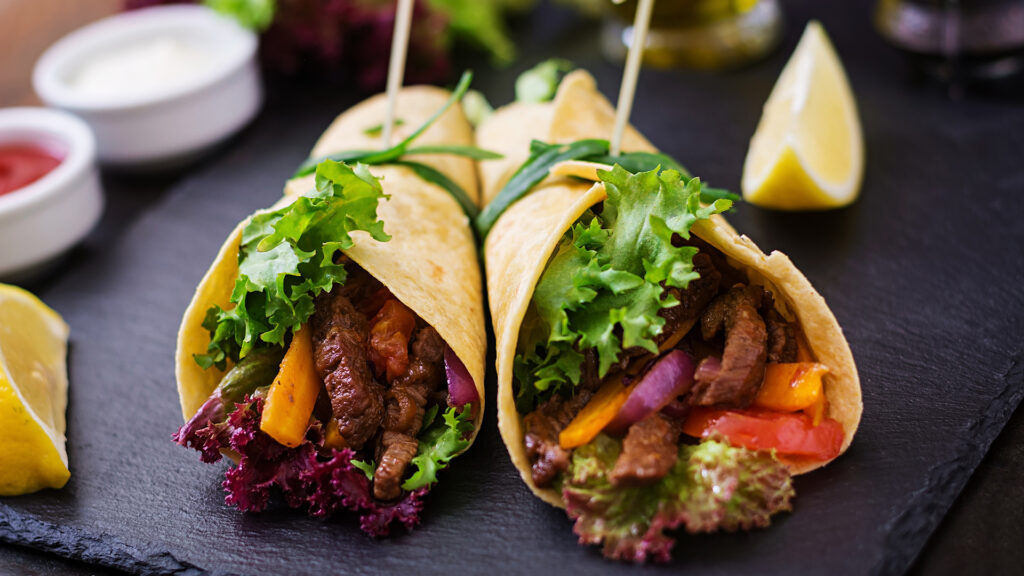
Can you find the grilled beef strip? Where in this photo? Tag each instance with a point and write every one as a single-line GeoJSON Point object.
{"type": "Point", "coordinates": [406, 403]}
{"type": "Point", "coordinates": [339, 354]}
{"type": "Point", "coordinates": [649, 451]}
{"type": "Point", "coordinates": [742, 366]}
{"type": "Point", "coordinates": [547, 458]}
{"type": "Point", "coordinates": [782, 345]}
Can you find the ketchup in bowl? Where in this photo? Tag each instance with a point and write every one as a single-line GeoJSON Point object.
{"type": "Point", "coordinates": [22, 164]}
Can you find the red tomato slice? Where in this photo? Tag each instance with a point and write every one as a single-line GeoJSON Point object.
{"type": "Point", "coordinates": [790, 434]}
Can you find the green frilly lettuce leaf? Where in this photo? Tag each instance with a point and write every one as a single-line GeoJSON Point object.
{"type": "Point", "coordinates": [287, 258]}
{"type": "Point", "coordinates": [439, 443]}
{"type": "Point", "coordinates": [608, 278]}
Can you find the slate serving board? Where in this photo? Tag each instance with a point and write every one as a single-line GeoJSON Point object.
{"type": "Point", "coordinates": [922, 273]}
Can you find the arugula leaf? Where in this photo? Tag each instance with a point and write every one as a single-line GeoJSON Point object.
{"type": "Point", "coordinates": [536, 168]}
{"type": "Point", "coordinates": [388, 155]}
{"type": "Point", "coordinates": [439, 443]}
{"type": "Point", "coordinates": [607, 280]}
{"type": "Point", "coordinates": [286, 259]}
{"type": "Point", "coordinates": [713, 486]}
{"type": "Point", "coordinates": [394, 154]}
{"type": "Point", "coordinates": [456, 150]}
{"type": "Point", "coordinates": [434, 176]}
{"type": "Point", "coordinates": [253, 14]}
{"type": "Point", "coordinates": [540, 83]}
{"type": "Point", "coordinates": [544, 156]}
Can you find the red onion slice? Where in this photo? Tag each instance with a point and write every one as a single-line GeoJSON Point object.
{"type": "Point", "coordinates": [670, 376]}
{"type": "Point", "coordinates": [461, 389]}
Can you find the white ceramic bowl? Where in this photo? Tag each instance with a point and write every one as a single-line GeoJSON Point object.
{"type": "Point", "coordinates": [43, 219]}
{"type": "Point", "coordinates": [165, 126]}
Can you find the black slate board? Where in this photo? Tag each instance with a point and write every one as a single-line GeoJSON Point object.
{"type": "Point", "coordinates": [922, 272]}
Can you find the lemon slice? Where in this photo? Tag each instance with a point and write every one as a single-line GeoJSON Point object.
{"type": "Point", "coordinates": [808, 150]}
{"type": "Point", "coordinates": [33, 394]}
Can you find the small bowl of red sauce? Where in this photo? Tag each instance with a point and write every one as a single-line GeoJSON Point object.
{"type": "Point", "coordinates": [50, 194]}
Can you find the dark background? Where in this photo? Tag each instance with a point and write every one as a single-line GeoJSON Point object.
{"type": "Point", "coordinates": [923, 273]}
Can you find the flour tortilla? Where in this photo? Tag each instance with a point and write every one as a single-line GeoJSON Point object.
{"type": "Point", "coordinates": [430, 264]}
{"type": "Point", "coordinates": [523, 239]}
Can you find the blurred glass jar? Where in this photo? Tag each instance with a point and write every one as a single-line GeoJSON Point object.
{"type": "Point", "coordinates": [703, 34]}
{"type": "Point", "coordinates": [957, 39]}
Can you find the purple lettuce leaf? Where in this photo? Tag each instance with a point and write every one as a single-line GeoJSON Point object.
{"type": "Point", "coordinates": [714, 486]}
{"type": "Point", "coordinates": [302, 474]}
{"type": "Point", "coordinates": [206, 430]}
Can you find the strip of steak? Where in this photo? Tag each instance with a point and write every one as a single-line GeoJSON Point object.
{"type": "Point", "coordinates": [547, 458]}
{"type": "Point", "coordinates": [406, 403]}
{"type": "Point", "coordinates": [742, 366]}
{"type": "Point", "coordinates": [339, 353]}
{"type": "Point", "coordinates": [649, 452]}
{"type": "Point", "coordinates": [398, 452]}
{"type": "Point", "coordinates": [782, 344]}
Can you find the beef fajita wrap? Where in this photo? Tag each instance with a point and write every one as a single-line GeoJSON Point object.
{"type": "Point", "coordinates": [656, 370]}
{"type": "Point", "coordinates": [335, 348]}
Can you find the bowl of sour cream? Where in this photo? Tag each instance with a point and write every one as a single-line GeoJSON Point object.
{"type": "Point", "coordinates": [158, 86]}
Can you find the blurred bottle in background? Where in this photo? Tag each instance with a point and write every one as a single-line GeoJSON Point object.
{"type": "Point", "coordinates": [704, 34]}
{"type": "Point", "coordinates": [957, 40]}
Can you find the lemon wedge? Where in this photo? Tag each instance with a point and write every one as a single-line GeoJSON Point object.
{"type": "Point", "coordinates": [808, 150]}
{"type": "Point", "coordinates": [33, 394]}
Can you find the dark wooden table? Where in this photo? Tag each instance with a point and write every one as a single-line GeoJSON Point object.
{"type": "Point", "coordinates": [982, 533]}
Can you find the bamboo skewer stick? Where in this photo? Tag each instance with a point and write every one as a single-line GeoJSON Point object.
{"type": "Point", "coordinates": [634, 58]}
{"type": "Point", "coordinates": [396, 68]}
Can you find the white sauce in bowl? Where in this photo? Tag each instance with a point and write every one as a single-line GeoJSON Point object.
{"type": "Point", "coordinates": [152, 65]}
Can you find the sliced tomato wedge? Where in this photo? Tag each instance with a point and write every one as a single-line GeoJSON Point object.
{"type": "Point", "coordinates": [791, 434]}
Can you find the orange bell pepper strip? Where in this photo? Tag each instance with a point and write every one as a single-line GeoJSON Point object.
{"type": "Point", "coordinates": [333, 438]}
{"type": "Point", "coordinates": [292, 396]}
{"type": "Point", "coordinates": [601, 410]}
{"type": "Point", "coordinates": [789, 387]}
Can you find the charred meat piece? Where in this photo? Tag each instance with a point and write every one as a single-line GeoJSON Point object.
{"type": "Point", "coordinates": [398, 452]}
{"type": "Point", "coordinates": [406, 403]}
{"type": "Point", "coordinates": [782, 344]}
{"type": "Point", "coordinates": [547, 458]}
{"type": "Point", "coordinates": [742, 366]}
{"type": "Point", "coordinates": [339, 352]}
{"type": "Point", "coordinates": [692, 301]}
{"type": "Point", "coordinates": [408, 395]}
{"type": "Point", "coordinates": [649, 452]}
{"type": "Point", "coordinates": [730, 276]}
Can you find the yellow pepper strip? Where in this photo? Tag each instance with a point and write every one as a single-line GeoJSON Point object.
{"type": "Point", "coordinates": [789, 387]}
{"type": "Point", "coordinates": [601, 410]}
{"type": "Point", "coordinates": [293, 394]}
{"type": "Point", "coordinates": [817, 410]}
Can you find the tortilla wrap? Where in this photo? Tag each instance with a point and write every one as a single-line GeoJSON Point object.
{"type": "Point", "coordinates": [430, 264]}
{"type": "Point", "coordinates": [523, 239]}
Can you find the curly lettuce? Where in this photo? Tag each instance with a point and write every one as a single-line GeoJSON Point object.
{"type": "Point", "coordinates": [608, 279]}
{"type": "Point", "coordinates": [306, 476]}
{"type": "Point", "coordinates": [713, 486]}
{"type": "Point", "coordinates": [439, 442]}
{"type": "Point", "coordinates": [288, 256]}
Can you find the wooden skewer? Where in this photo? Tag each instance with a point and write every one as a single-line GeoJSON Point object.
{"type": "Point", "coordinates": [632, 71]}
{"type": "Point", "coordinates": [396, 68]}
